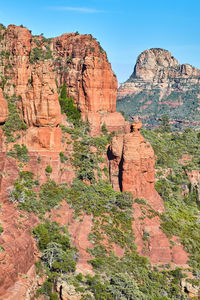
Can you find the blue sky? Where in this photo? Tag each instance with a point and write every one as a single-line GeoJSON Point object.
{"type": "Point", "coordinates": [124, 27]}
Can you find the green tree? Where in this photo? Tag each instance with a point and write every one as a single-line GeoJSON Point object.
{"type": "Point", "coordinates": [48, 169]}
{"type": "Point", "coordinates": [68, 107]}
{"type": "Point", "coordinates": [123, 287]}
{"type": "Point", "coordinates": [63, 93]}
{"type": "Point", "coordinates": [165, 127]}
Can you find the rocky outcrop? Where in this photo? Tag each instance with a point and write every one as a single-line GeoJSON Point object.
{"type": "Point", "coordinates": [160, 86]}
{"type": "Point", "coordinates": [18, 253]}
{"type": "Point", "coordinates": [33, 83]}
{"type": "Point", "coordinates": [33, 68]}
{"type": "Point", "coordinates": [87, 73]}
{"type": "Point", "coordinates": [132, 163]}
{"type": "Point", "coordinates": [159, 68]}
{"type": "Point", "coordinates": [3, 108]}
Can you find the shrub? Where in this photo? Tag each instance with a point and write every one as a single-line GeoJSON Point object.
{"type": "Point", "coordinates": [1, 229]}
{"type": "Point", "coordinates": [63, 157]}
{"type": "Point", "coordinates": [19, 152]}
{"type": "Point", "coordinates": [48, 169]}
{"type": "Point", "coordinates": [13, 122]}
{"type": "Point", "coordinates": [122, 286]}
{"type": "Point", "coordinates": [38, 54]}
{"type": "Point", "coordinates": [68, 107]}
{"type": "Point", "coordinates": [50, 194]}
{"type": "Point", "coordinates": [2, 27]}
{"type": "Point", "coordinates": [104, 129]}
{"type": "Point", "coordinates": [58, 257]}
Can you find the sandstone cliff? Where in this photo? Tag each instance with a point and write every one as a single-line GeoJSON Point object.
{"type": "Point", "coordinates": [132, 163]}
{"type": "Point", "coordinates": [160, 86]}
{"type": "Point", "coordinates": [34, 68]}
{"type": "Point", "coordinates": [32, 71]}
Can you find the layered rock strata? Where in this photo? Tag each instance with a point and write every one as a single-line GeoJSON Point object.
{"type": "Point", "coordinates": [157, 67]}
{"type": "Point", "coordinates": [31, 77]}
{"type": "Point", "coordinates": [3, 108]}
{"type": "Point", "coordinates": [33, 68]}
{"type": "Point", "coordinates": [159, 86]}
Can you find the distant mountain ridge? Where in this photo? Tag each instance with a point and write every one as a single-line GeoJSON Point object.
{"type": "Point", "coordinates": [159, 86]}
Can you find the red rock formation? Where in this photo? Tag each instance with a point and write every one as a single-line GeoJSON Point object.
{"type": "Point", "coordinates": [158, 67]}
{"type": "Point", "coordinates": [82, 64]}
{"type": "Point", "coordinates": [34, 83]}
{"type": "Point", "coordinates": [3, 108]}
{"type": "Point", "coordinates": [157, 86]}
{"type": "Point", "coordinates": [89, 76]}
{"type": "Point", "coordinates": [19, 246]}
{"type": "Point", "coordinates": [76, 59]}
{"type": "Point", "coordinates": [132, 169]}
{"type": "Point", "coordinates": [132, 163]}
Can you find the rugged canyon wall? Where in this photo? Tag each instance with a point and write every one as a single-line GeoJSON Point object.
{"type": "Point", "coordinates": [160, 85]}
{"type": "Point", "coordinates": [32, 70]}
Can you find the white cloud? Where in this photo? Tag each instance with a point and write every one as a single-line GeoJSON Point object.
{"type": "Point", "coordinates": [77, 9]}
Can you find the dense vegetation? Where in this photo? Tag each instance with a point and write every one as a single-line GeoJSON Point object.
{"type": "Point", "coordinates": [68, 107]}
{"type": "Point", "coordinates": [58, 256]}
{"type": "Point", "coordinates": [13, 122]}
{"type": "Point", "coordinates": [131, 276]}
{"type": "Point", "coordinates": [180, 196]}
{"type": "Point", "coordinates": [147, 104]}
{"type": "Point", "coordinates": [24, 193]}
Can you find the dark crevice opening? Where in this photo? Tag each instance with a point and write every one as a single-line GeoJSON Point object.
{"type": "Point", "coordinates": [60, 293]}
{"type": "Point", "coordinates": [110, 158]}
{"type": "Point", "coordinates": [186, 290]}
{"type": "Point", "coordinates": [120, 172]}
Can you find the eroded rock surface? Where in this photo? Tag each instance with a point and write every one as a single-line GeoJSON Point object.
{"type": "Point", "coordinates": [159, 86]}
{"type": "Point", "coordinates": [158, 67]}
{"type": "Point", "coordinates": [36, 67]}
{"type": "Point", "coordinates": [132, 164]}
{"type": "Point", "coordinates": [32, 69]}
{"type": "Point", "coordinates": [3, 108]}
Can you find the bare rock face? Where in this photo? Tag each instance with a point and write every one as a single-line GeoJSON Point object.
{"type": "Point", "coordinates": [89, 80]}
{"type": "Point", "coordinates": [132, 163]}
{"type": "Point", "coordinates": [135, 165]}
{"type": "Point", "coordinates": [19, 247]}
{"type": "Point", "coordinates": [36, 67]}
{"type": "Point", "coordinates": [158, 67]}
{"type": "Point", "coordinates": [152, 63]}
{"type": "Point", "coordinates": [3, 108]}
{"type": "Point", "coordinates": [159, 86]}
{"type": "Point", "coordinates": [33, 68]}
{"type": "Point", "coordinates": [88, 74]}
{"type": "Point", "coordinates": [34, 83]}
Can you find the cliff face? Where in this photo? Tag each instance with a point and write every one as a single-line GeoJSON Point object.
{"type": "Point", "coordinates": [32, 70]}
{"type": "Point", "coordinates": [34, 67]}
{"type": "Point", "coordinates": [132, 164]}
{"type": "Point", "coordinates": [160, 86]}
{"type": "Point", "coordinates": [3, 108]}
